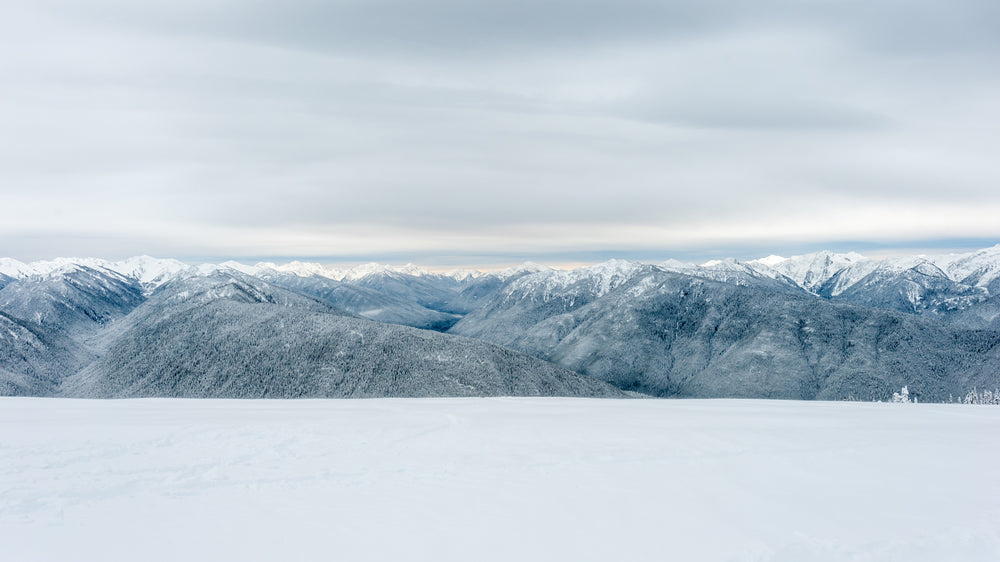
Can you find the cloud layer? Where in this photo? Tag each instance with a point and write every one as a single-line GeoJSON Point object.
{"type": "Point", "coordinates": [308, 128]}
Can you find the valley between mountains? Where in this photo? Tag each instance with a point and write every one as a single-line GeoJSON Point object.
{"type": "Point", "coordinates": [819, 326]}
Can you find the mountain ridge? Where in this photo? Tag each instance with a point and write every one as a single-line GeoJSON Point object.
{"type": "Point", "coordinates": [821, 325]}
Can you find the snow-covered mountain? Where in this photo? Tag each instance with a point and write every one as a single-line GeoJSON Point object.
{"type": "Point", "coordinates": [148, 271]}
{"type": "Point", "coordinates": [401, 294]}
{"type": "Point", "coordinates": [955, 287]}
{"type": "Point", "coordinates": [14, 269]}
{"type": "Point", "coordinates": [834, 274]}
{"type": "Point", "coordinates": [584, 283]}
{"type": "Point", "coordinates": [980, 268]}
{"type": "Point", "coordinates": [913, 285]}
{"type": "Point", "coordinates": [945, 285]}
{"type": "Point", "coordinates": [70, 296]}
{"type": "Point", "coordinates": [733, 271]}
{"type": "Point", "coordinates": [673, 334]}
{"type": "Point", "coordinates": [34, 359]}
{"type": "Point", "coordinates": [299, 268]}
{"type": "Point", "coordinates": [819, 325]}
{"type": "Point", "coordinates": [380, 305]}
{"type": "Point", "coordinates": [312, 269]}
{"type": "Point", "coordinates": [229, 335]}
{"type": "Point", "coordinates": [811, 270]}
{"type": "Point", "coordinates": [145, 327]}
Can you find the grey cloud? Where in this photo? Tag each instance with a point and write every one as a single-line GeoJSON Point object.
{"type": "Point", "coordinates": [458, 28]}
{"type": "Point", "coordinates": [741, 111]}
{"type": "Point", "coordinates": [457, 118]}
{"type": "Point", "coordinates": [437, 27]}
{"type": "Point", "coordinates": [920, 27]}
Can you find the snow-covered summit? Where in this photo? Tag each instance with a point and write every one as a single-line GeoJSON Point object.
{"type": "Point", "coordinates": [980, 268]}
{"type": "Point", "coordinates": [462, 274]}
{"type": "Point", "coordinates": [727, 270]}
{"type": "Point", "coordinates": [59, 265]}
{"type": "Point", "coordinates": [145, 269]}
{"type": "Point", "coordinates": [310, 269]}
{"type": "Point", "coordinates": [365, 270]}
{"type": "Point", "coordinates": [810, 271]}
{"type": "Point", "coordinates": [301, 269]}
{"type": "Point", "coordinates": [525, 268]}
{"type": "Point", "coordinates": [13, 268]}
{"type": "Point", "coordinates": [770, 261]}
{"type": "Point", "coordinates": [833, 272]}
{"type": "Point", "coordinates": [149, 271]}
{"type": "Point", "coordinates": [595, 280]}
{"type": "Point", "coordinates": [873, 270]}
{"type": "Point", "coordinates": [676, 265]}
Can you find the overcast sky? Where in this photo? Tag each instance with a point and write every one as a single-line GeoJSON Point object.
{"type": "Point", "coordinates": [452, 130]}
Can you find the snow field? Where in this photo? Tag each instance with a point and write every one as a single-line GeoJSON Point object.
{"type": "Point", "coordinates": [497, 479]}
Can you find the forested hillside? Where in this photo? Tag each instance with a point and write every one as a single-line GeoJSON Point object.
{"type": "Point", "coordinates": [818, 326]}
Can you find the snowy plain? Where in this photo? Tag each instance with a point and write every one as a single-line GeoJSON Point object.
{"type": "Point", "coordinates": [497, 479]}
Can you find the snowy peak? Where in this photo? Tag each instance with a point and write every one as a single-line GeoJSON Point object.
{"type": "Point", "coordinates": [311, 269]}
{"type": "Point", "coordinates": [207, 269]}
{"type": "Point", "coordinates": [676, 265]}
{"type": "Point", "coordinates": [60, 266]}
{"type": "Point", "coordinates": [729, 271]}
{"type": "Point", "coordinates": [810, 271]}
{"type": "Point", "coordinates": [14, 269]}
{"type": "Point", "coordinates": [525, 268]}
{"type": "Point", "coordinates": [839, 272]}
{"type": "Point", "coordinates": [411, 269]}
{"type": "Point", "coordinates": [830, 272]}
{"type": "Point", "coordinates": [223, 288]}
{"type": "Point", "coordinates": [869, 272]}
{"type": "Point", "coordinates": [611, 274]}
{"type": "Point", "coordinates": [301, 269]}
{"type": "Point", "coordinates": [70, 295]}
{"type": "Point", "coordinates": [240, 267]}
{"type": "Point", "coordinates": [929, 269]}
{"type": "Point", "coordinates": [149, 271]}
{"type": "Point", "coordinates": [594, 281]}
{"type": "Point", "coordinates": [200, 286]}
{"type": "Point", "coordinates": [462, 274]}
{"type": "Point", "coordinates": [368, 269]}
{"type": "Point", "coordinates": [980, 268]}
{"type": "Point", "coordinates": [769, 261]}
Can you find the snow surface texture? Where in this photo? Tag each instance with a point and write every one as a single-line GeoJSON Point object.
{"type": "Point", "coordinates": [497, 479]}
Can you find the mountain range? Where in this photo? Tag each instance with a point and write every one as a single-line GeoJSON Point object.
{"type": "Point", "coordinates": [816, 326]}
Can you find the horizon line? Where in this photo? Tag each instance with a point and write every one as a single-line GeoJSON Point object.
{"type": "Point", "coordinates": [571, 260]}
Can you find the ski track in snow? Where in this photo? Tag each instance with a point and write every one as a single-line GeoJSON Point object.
{"type": "Point", "coordinates": [497, 479]}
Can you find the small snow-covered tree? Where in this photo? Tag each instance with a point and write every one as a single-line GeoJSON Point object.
{"type": "Point", "coordinates": [902, 396]}
{"type": "Point", "coordinates": [984, 397]}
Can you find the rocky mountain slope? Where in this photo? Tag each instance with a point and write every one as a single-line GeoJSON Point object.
{"type": "Point", "coordinates": [822, 325]}
{"type": "Point", "coordinates": [672, 334]}
{"type": "Point", "coordinates": [224, 334]}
